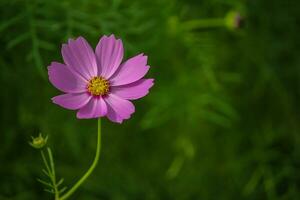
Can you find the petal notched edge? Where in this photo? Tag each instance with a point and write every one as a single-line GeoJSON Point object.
{"type": "Point", "coordinates": [118, 109]}
{"type": "Point", "coordinates": [130, 71]}
{"type": "Point", "coordinates": [72, 101]}
{"type": "Point", "coordinates": [109, 53]}
{"type": "Point", "coordinates": [134, 90]}
{"type": "Point", "coordinates": [79, 56]}
{"type": "Point", "coordinates": [94, 109]}
{"type": "Point", "coordinates": [64, 80]}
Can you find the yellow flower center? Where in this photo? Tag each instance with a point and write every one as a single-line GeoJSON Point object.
{"type": "Point", "coordinates": [98, 86]}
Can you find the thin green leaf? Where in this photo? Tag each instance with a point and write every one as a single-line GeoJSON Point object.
{"type": "Point", "coordinates": [18, 40]}
{"type": "Point", "coordinates": [50, 191]}
{"type": "Point", "coordinates": [38, 60]}
{"type": "Point", "coordinates": [46, 173]}
{"type": "Point", "coordinates": [62, 190]}
{"type": "Point", "coordinates": [46, 163]}
{"type": "Point", "coordinates": [51, 161]}
{"type": "Point", "coordinates": [60, 182]}
{"type": "Point", "coordinates": [5, 24]}
{"type": "Point", "coordinates": [45, 183]}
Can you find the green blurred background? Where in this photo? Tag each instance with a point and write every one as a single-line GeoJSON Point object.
{"type": "Point", "coordinates": [221, 122]}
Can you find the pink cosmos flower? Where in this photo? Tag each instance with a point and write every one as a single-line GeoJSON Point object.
{"type": "Point", "coordinates": [96, 83]}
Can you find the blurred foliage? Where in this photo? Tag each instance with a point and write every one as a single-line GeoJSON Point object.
{"type": "Point", "coordinates": [221, 122]}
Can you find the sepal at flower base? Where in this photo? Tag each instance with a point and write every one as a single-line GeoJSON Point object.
{"type": "Point", "coordinates": [38, 142]}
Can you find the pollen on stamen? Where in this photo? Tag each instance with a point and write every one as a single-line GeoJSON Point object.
{"type": "Point", "coordinates": [98, 86]}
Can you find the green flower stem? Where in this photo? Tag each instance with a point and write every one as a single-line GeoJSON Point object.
{"type": "Point", "coordinates": [53, 174]}
{"type": "Point", "coordinates": [90, 170]}
{"type": "Point", "coordinates": [203, 23]}
{"type": "Point", "coordinates": [50, 172]}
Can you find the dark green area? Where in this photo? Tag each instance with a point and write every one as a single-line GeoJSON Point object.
{"type": "Point", "coordinates": [221, 122]}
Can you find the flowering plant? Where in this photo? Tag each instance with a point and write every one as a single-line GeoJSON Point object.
{"type": "Point", "coordinates": [96, 84]}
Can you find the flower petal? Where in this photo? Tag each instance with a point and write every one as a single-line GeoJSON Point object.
{"type": "Point", "coordinates": [118, 109]}
{"type": "Point", "coordinates": [109, 53]}
{"type": "Point", "coordinates": [79, 55]}
{"type": "Point", "coordinates": [72, 101]}
{"type": "Point", "coordinates": [94, 109]}
{"type": "Point", "coordinates": [64, 80]}
{"type": "Point", "coordinates": [134, 90]}
{"type": "Point", "coordinates": [130, 71]}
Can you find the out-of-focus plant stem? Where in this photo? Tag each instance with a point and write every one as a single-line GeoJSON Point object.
{"type": "Point", "coordinates": [203, 23]}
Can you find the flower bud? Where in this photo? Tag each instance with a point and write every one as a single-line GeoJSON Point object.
{"type": "Point", "coordinates": [234, 20]}
{"type": "Point", "coordinates": [38, 142]}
